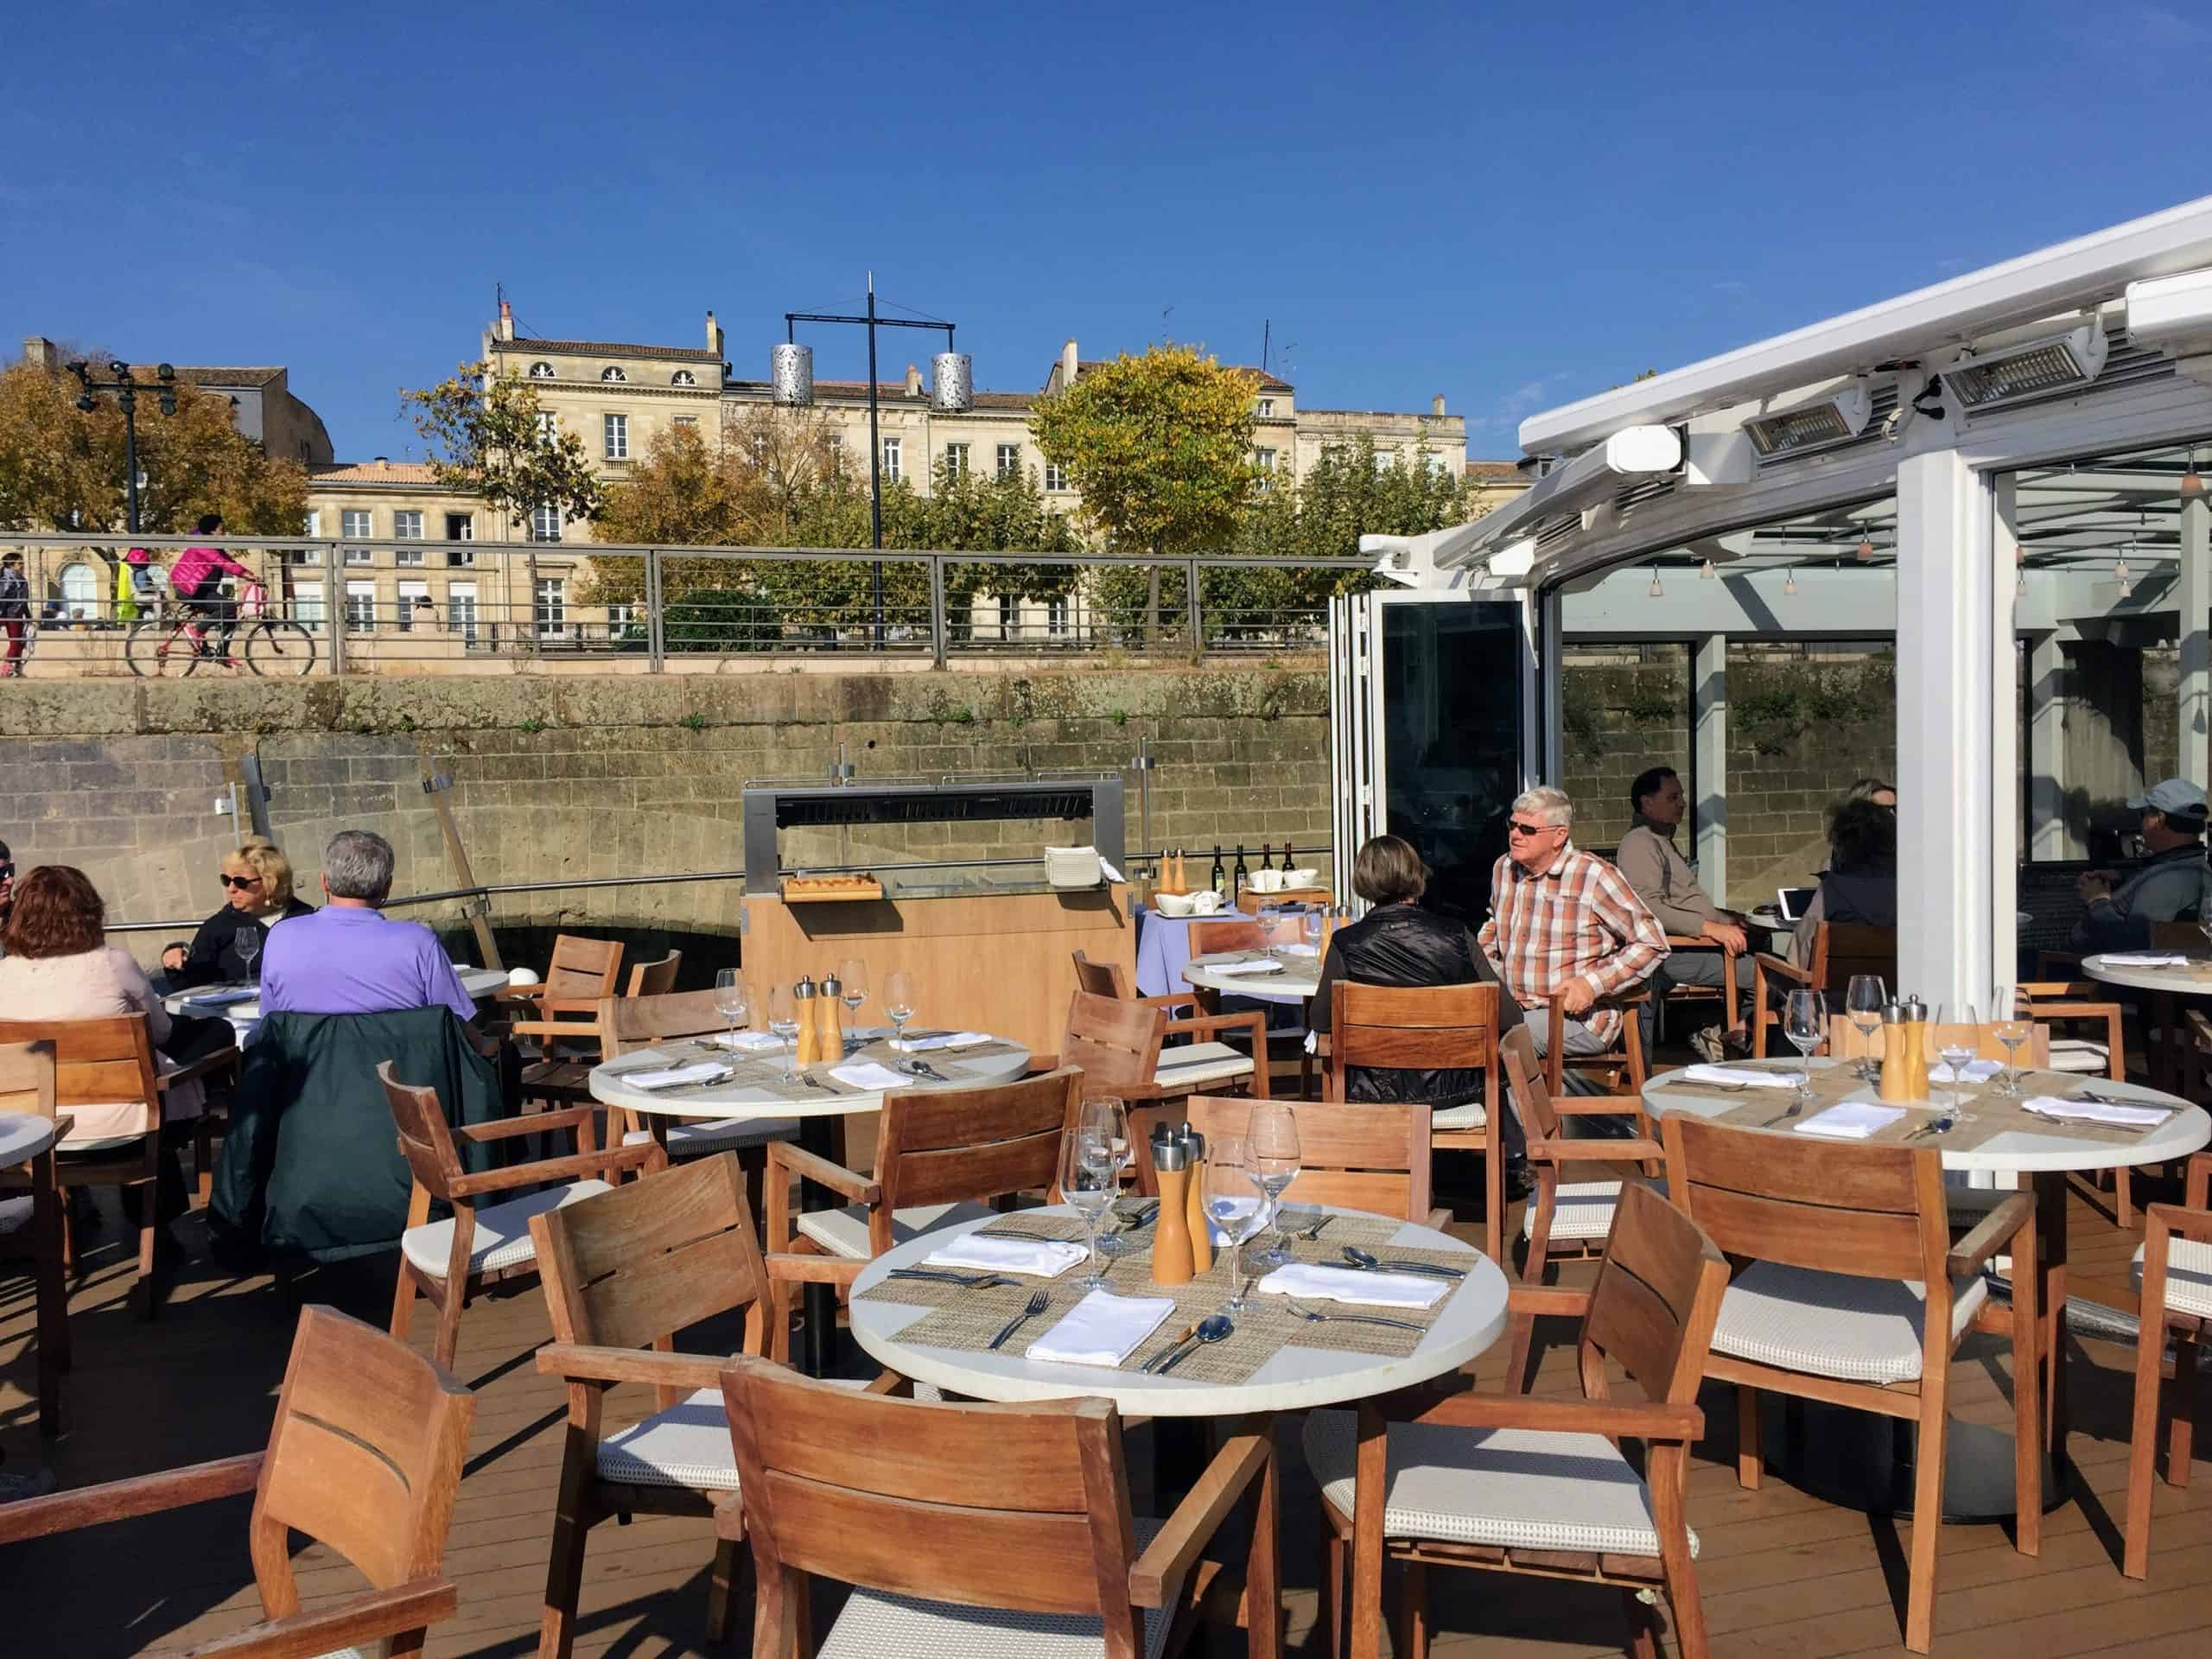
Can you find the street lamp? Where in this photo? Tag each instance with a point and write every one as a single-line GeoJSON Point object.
{"type": "Point", "coordinates": [790, 374]}
{"type": "Point", "coordinates": [126, 396]}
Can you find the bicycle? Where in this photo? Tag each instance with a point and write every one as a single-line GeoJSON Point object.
{"type": "Point", "coordinates": [269, 644]}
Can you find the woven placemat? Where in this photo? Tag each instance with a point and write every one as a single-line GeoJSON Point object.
{"type": "Point", "coordinates": [966, 1319]}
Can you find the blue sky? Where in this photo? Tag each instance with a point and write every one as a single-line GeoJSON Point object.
{"type": "Point", "coordinates": [1513, 206]}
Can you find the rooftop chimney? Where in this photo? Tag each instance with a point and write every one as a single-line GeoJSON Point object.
{"type": "Point", "coordinates": [1067, 365]}
{"type": "Point", "coordinates": [42, 352]}
{"type": "Point", "coordinates": [507, 321]}
{"type": "Point", "coordinates": [714, 335]}
{"type": "Point", "coordinates": [913, 381]}
{"type": "Point", "coordinates": [383, 463]}
{"type": "Point", "coordinates": [1436, 405]}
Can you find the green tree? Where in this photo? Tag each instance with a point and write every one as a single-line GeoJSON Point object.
{"type": "Point", "coordinates": [485, 436]}
{"type": "Point", "coordinates": [1160, 448]}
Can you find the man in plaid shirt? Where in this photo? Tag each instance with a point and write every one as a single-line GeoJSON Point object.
{"type": "Point", "coordinates": [1566, 920]}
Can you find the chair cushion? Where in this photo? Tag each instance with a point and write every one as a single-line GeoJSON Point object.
{"type": "Point", "coordinates": [695, 1139]}
{"type": "Point", "coordinates": [844, 1232]}
{"type": "Point", "coordinates": [882, 1626]}
{"type": "Point", "coordinates": [687, 1444]}
{"type": "Point", "coordinates": [502, 1238]}
{"type": "Point", "coordinates": [1581, 1210]}
{"type": "Point", "coordinates": [1194, 1065]}
{"type": "Point", "coordinates": [1472, 1115]}
{"type": "Point", "coordinates": [1831, 1324]}
{"type": "Point", "coordinates": [2079, 1057]}
{"type": "Point", "coordinates": [1510, 1488]}
{"type": "Point", "coordinates": [2189, 1275]}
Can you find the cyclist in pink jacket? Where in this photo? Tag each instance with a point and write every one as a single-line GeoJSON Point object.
{"type": "Point", "coordinates": [196, 579]}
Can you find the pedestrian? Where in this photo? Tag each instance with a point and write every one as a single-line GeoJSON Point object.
{"type": "Point", "coordinates": [15, 612]}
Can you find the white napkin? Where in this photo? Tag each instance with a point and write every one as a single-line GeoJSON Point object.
{"type": "Point", "coordinates": [866, 1074]}
{"type": "Point", "coordinates": [1253, 965]}
{"type": "Point", "coordinates": [1299, 949]}
{"type": "Point", "coordinates": [1853, 1121]}
{"type": "Point", "coordinates": [2096, 1111]}
{"type": "Point", "coordinates": [1030, 1256]}
{"type": "Point", "coordinates": [1309, 1279]}
{"type": "Point", "coordinates": [943, 1039]}
{"type": "Point", "coordinates": [1103, 1329]}
{"type": "Point", "coordinates": [703, 1071]}
{"type": "Point", "coordinates": [751, 1042]}
{"type": "Point", "coordinates": [1972, 1071]}
{"type": "Point", "coordinates": [1729, 1077]}
{"type": "Point", "coordinates": [2144, 959]}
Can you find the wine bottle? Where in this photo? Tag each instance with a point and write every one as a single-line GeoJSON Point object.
{"type": "Point", "coordinates": [1267, 855]}
{"type": "Point", "coordinates": [1286, 864]}
{"type": "Point", "coordinates": [1220, 874]}
{"type": "Point", "coordinates": [1239, 875]}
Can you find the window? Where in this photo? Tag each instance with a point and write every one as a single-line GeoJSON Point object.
{"type": "Point", "coordinates": [1437, 466]}
{"type": "Point", "coordinates": [548, 425]}
{"type": "Point", "coordinates": [687, 420]}
{"type": "Point", "coordinates": [460, 610]}
{"type": "Point", "coordinates": [307, 603]}
{"type": "Point", "coordinates": [955, 460]}
{"type": "Point", "coordinates": [618, 437]}
{"type": "Point", "coordinates": [891, 461]}
{"type": "Point", "coordinates": [837, 441]}
{"type": "Point", "coordinates": [1054, 478]}
{"type": "Point", "coordinates": [1009, 461]}
{"type": "Point", "coordinates": [414, 604]}
{"type": "Point", "coordinates": [360, 606]}
{"type": "Point", "coordinates": [613, 373]}
{"type": "Point", "coordinates": [314, 525]}
{"type": "Point", "coordinates": [552, 609]}
{"type": "Point", "coordinates": [541, 371]}
{"type": "Point", "coordinates": [357, 524]}
{"type": "Point", "coordinates": [460, 527]}
{"type": "Point", "coordinates": [408, 527]}
{"type": "Point", "coordinates": [80, 592]}
{"type": "Point", "coordinates": [621, 620]}
{"type": "Point", "coordinates": [1056, 617]}
{"type": "Point", "coordinates": [1265, 461]}
{"type": "Point", "coordinates": [684, 377]}
{"type": "Point", "coordinates": [546, 525]}
{"type": "Point", "coordinates": [1267, 410]}
{"type": "Point", "coordinates": [304, 555]}
{"type": "Point", "coordinates": [1385, 459]}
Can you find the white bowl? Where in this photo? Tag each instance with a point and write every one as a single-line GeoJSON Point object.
{"type": "Point", "coordinates": [1265, 881]}
{"type": "Point", "coordinates": [521, 976]}
{"type": "Point", "coordinates": [1301, 878]}
{"type": "Point", "coordinates": [1174, 904]}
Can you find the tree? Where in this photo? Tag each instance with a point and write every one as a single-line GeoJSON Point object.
{"type": "Point", "coordinates": [487, 436]}
{"type": "Point", "coordinates": [62, 467]}
{"type": "Point", "coordinates": [1160, 448]}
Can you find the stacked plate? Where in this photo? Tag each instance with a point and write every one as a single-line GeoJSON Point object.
{"type": "Point", "coordinates": [1072, 866]}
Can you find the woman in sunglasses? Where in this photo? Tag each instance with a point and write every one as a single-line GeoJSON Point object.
{"type": "Point", "coordinates": [258, 894]}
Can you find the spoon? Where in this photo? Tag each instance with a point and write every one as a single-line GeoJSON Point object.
{"type": "Point", "coordinates": [1212, 1328]}
{"type": "Point", "coordinates": [1368, 1263]}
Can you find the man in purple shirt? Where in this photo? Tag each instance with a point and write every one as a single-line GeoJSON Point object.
{"type": "Point", "coordinates": [346, 958]}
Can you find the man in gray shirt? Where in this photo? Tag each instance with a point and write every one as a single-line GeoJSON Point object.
{"type": "Point", "coordinates": [2171, 885]}
{"type": "Point", "coordinates": [1662, 878]}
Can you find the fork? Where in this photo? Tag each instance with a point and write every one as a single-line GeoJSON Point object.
{"type": "Point", "coordinates": [946, 1276]}
{"type": "Point", "coordinates": [1036, 1305]}
{"type": "Point", "coordinates": [924, 1068]}
{"type": "Point", "coordinates": [1312, 1230]}
{"type": "Point", "coordinates": [1795, 1106]}
{"type": "Point", "coordinates": [1313, 1316]}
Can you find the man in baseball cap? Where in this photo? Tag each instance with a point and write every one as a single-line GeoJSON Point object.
{"type": "Point", "coordinates": [2169, 886]}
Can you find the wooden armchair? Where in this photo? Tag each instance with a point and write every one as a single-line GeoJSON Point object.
{"type": "Point", "coordinates": [568, 1046]}
{"type": "Point", "coordinates": [1204, 1024]}
{"type": "Point", "coordinates": [481, 1245]}
{"type": "Point", "coordinates": [930, 1512]}
{"type": "Point", "coordinates": [27, 1091]}
{"type": "Point", "coordinates": [365, 1456]}
{"type": "Point", "coordinates": [1417, 1478]}
{"type": "Point", "coordinates": [1621, 1067]}
{"type": "Point", "coordinates": [1117, 1045]}
{"type": "Point", "coordinates": [2173, 1270]}
{"type": "Point", "coordinates": [1841, 950]}
{"type": "Point", "coordinates": [1430, 1027]}
{"type": "Point", "coordinates": [105, 1079]}
{"type": "Point", "coordinates": [647, 1020]}
{"type": "Point", "coordinates": [2084, 1004]}
{"type": "Point", "coordinates": [1732, 1011]}
{"type": "Point", "coordinates": [1357, 1157]}
{"type": "Point", "coordinates": [1855, 1295]}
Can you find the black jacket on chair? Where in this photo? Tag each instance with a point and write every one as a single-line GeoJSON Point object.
{"type": "Point", "coordinates": [1404, 944]}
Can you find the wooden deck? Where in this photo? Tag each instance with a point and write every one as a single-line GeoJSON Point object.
{"type": "Point", "coordinates": [1785, 1574]}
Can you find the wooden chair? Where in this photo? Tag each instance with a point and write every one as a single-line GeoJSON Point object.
{"type": "Point", "coordinates": [624, 1271]}
{"type": "Point", "coordinates": [1730, 1010]}
{"type": "Point", "coordinates": [481, 1245]}
{"type": "Point", "coordinates": [978, 1530]}
{"type": "Point", "coordinates": [1515, 1484]}
{"type": "Point", "coordinates": [27, 1085]}
{"type": "Point", "coordinates": [2084, 1003]}
{"type": "Point", "coordinates": [365, 1456]}
{"type": "Point", "coordinates": [1425, 1027]}
{"type": "Point", "coordinates": [1563, 1212]}
{"type": "Point", "coordinates": [1117, 1045]}
{"type": "Point", "coordinates": [1204, 1022]}
{"type": "Point", "coordinates": [941, 1154]}
{"type": "Point", "coordinates": [655, 978]}
{"type": "Point", "coordinates": [646, 1021]}
{"type": "Point", "coordinates": [1620, 1068]}
{"type": "Point", "coordinates": [105, 1079]}
{"type": "Point", "coordinates": [568, 1048]}
{"type": "Point", "coordinates": [1840, 950]}
{"type": "Point", "coordinates": [1840, 1240]}
{"type": "Point", "coordinates": [2173, 1271]}
{"type": "Point", "coordinates": [579, 973]}
{"type": "Point", "coordinates": [1373, 1157]}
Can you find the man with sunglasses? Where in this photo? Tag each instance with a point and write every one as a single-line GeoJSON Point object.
{"type": "Point", "coordinates": [1564, 920]}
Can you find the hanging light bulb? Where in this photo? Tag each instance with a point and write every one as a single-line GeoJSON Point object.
{"type": "Point", "coordinates": [2020, 587]}
{"type": "Point", "coordinates": [2120, 573]}
{"type": "Point", "coordinates": [1657, 592]}
{"type": "Point", "coordinates": [1706, 573]}
{"type": "Point", "coordinates": [1789, 583]}
{"type": "Point", "coordinates": [2192, 481]}
{"type": "Point", "coordinates": [1866, 549]}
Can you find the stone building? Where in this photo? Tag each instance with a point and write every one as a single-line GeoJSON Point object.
{"type": "Point", "coordinates": [263, 407]}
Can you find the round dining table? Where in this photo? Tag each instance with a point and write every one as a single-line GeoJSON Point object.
{"type": "Point", "coordinates": [2167, 984]}
{"type": "Point", "coordinates": [1298, 979]}
{"type": "Point", "coordinates": [818, 1105]}
{"type": "Point", "coordinates": [27, 1138]}
{"type": "Point", "coordinates": [1852, 1457]}
{"type": "Point", "coordinates": [245, 1014]}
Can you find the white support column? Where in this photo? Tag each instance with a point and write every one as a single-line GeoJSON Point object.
{"type": "Point", "coordinates": [2194, 596]}
{"type": "Point", "coordinates": [1948, 869]}
{"type": "Point", "coordinates": [2001, 599]}
{"type": "Point", "coordinates": [2051, 836]}
{"type": "Point", "coordinates": [1549, 713]}
{"type": "Point", "coordinates": [1709, 752]}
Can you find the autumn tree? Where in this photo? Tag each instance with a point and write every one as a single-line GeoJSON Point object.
{"type": "Point", "coordinates": [485, 436]}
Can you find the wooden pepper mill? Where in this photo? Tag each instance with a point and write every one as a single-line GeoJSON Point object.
{"type": "Point", "coordinates": [1195, 1206]}
{"type": "Point", "coordinates": [1171, 1263]}
{"type": "Point", "coordinates": [830, 1021]}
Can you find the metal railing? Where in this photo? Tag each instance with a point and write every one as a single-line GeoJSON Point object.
{"type": "Point", "coordinates": [409, 605]}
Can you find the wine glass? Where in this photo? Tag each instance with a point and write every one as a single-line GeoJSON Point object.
{"type": "Point", "coordinates": [852, 983]}
{"type": "Point", "coordinates": [899, 997]}
{"type": "Point", "coordinates": [247, 942]}
{"type": "Point", "coordinates": [1312, 927]}
{"type": "Point", "coordinates": [1958, 1038]}
{"type": "Point", "coordinates": [1233, 1203]}
{"type": "Point", "coordinates": [783, 1019]}
{"type": "Point", "coordinates": [1088, 1179]}
{"type": "Point", "coordinates": [1110, 1117]}
{"type": "Point", "coordinates": [2013, 1015]}
{"type": "Point", "coordinates": [1271, 1141]}
{"type": "Point", "coordinates": [732, 1001]}
{"type": "Point", "coordinates": [1803, 1022]}
{"type": "Point", "coordinates": [1863, 1001]}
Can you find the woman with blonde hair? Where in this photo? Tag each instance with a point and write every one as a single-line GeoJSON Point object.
{"type": "Point", "coordinates": [258, 894]}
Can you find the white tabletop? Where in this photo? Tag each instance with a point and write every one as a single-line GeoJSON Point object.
{"type": "Point", "coordinates": [1292, 1379]}
{"type": "Point", "coordinates": [744, 1095]}
{"type": "Point", "coordinates": [2182, 981]}
{"type": "Point", "coordinates": [2052, 1148]}
{"type": "Point", "coordinates": [478, 983]}
{"type": "Point", "coordinates": [23, 1137]}
{"type": "Point", "coordinates": [1299, 979]}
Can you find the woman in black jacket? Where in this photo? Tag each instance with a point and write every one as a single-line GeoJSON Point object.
{"type": "Point", "coordinates": [258, 894]}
